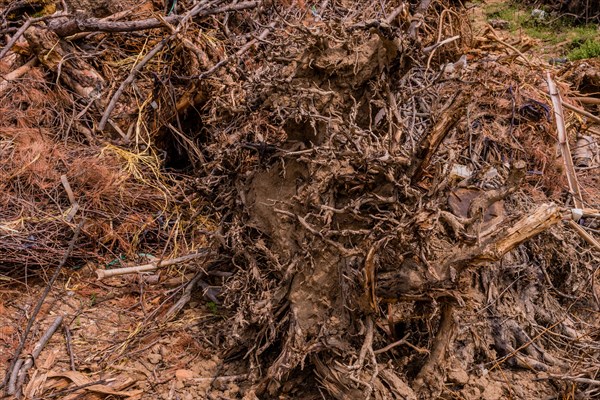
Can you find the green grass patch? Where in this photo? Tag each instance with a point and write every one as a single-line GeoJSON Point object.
{"type": "Point", "coordinates": [588, 49]}
{"type": "Point", "coordinates": [550, 30]}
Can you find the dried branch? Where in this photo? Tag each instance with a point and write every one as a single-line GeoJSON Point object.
{"type": "Point", "coordinates": [22, 372]}
{"type": "Point", "coordinates": [449, 117]}
{"type": "Point", "coordinates": [106, 273]}
{"type": "Point", "coordinates": [563, 142]}
{"type": "Point", "coordinates": [72, 26]}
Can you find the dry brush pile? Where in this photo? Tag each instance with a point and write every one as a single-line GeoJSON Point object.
{"type": "Point", "coordinates": [382, 188]}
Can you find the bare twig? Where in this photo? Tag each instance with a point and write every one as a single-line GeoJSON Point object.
{"type": "Point", "coordinates": [367, 346]}
{"type": "Point", "coordinates": [433, 47]}
{"type": "Point", "coordinates": [226, 378]}
{"type": "Point", "coordinates": [68, 339]}
{"type": "Point", "coordinates": [582, 111]}
{"type": "Point", "coordinates": [495, 36]}
{"type": "Point", "coordinates": [16, 37]}
{"type": "Point", "coordinates": [391, 345]}
{"type": "Point", "coordinates": [196, 11]}
{"type": "Point", "coordinates": [586, 100]}
{"type": "Point", "coordinates": [237, 54]}
{"type": "Point", "coordinates": [105, 273]}
{"type": "Point", "coordinates": [417, 19]}
{"type": "Point", "coordinates": [586, 236]}
{"type": "Point", "coordinates": [130, 78]}
{"type": "Point", "coordinates": [187, 295]}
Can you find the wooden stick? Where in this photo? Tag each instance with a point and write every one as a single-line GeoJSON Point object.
{"type": "Point", "coordinates": [15, 37]}
{"type": "Point", "coordinates": [563, 142]}
{"type": "Point", "coordinates": [582, 112]}
{"type": "Point", "coordinates": [68, 339]}
{"type": "Point", "coordinates": [586, 100]}
{"type": "Point", "coordinates": [585, 235]}
{"type": "Point", "coordinates": [105, 273]}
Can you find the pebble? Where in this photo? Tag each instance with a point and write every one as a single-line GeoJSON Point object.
{"type": "Point", "coordinates": [154, 358]}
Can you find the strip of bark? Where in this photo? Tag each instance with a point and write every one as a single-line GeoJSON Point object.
{"type": "Point", "coordinates": [563, 142]}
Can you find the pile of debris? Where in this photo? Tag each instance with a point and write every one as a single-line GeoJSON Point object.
{"type": "Point", "coordinates": [391, 199]}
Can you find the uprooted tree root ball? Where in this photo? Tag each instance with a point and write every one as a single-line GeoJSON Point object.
{"type": "Point", "coordinates": [384, 201]}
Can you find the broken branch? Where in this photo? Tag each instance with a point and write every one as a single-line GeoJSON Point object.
{"type": "Point", "coordinates": [106, 273]}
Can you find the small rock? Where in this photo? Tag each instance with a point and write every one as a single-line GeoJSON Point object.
{"type": "Point", "coordinates": [493, 391]}
{"type": "Point", "coordinates": [499, 24]}
{"type": "Point", "coordinates": [539, 15]}
{"type": "Point", "coordinates": [458, 375]}
{"type": "Point", "coordinates": [471, 392]}
{"type": "Point", "coordinates": [154, 358]}
{"type": "Point", "coordinates": [183, 374]}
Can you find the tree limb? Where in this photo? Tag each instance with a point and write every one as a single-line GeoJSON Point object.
{"type": "Point", "coordinates": [72, 26]}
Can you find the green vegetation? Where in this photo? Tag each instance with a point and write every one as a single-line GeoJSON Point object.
{"type": "Point", "coordinates": [589, 49]}
{"type": "Point", "coordinates": [212, 306]}
{"type": "Point", "coordinates": [574, 41]}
